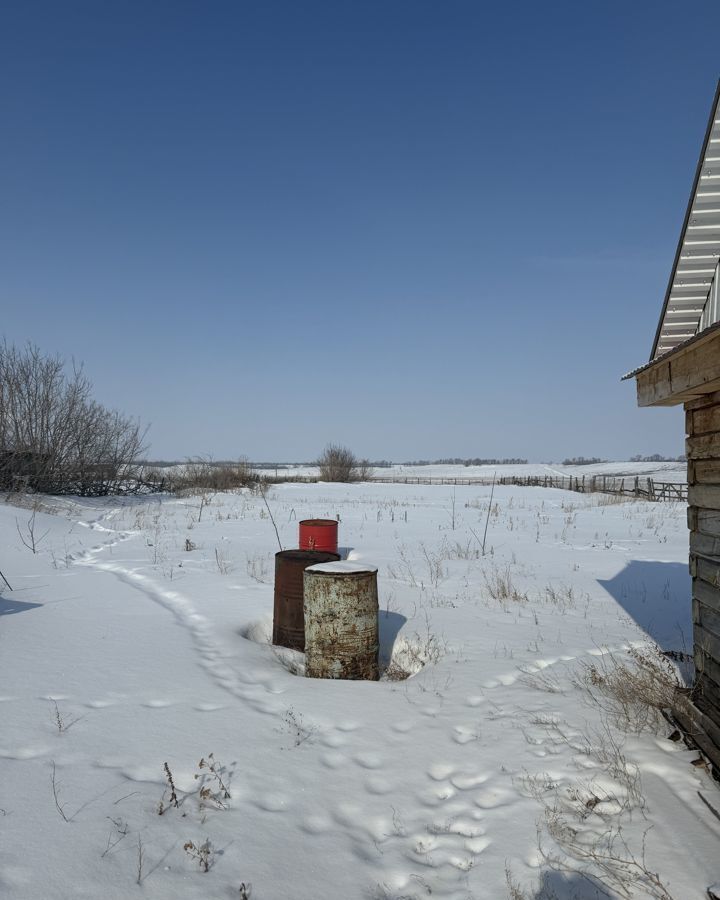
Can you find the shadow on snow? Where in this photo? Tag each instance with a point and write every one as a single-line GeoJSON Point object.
{"type": "Point", "coordinates": [657, 596]}
{"type": "Point", "coordinates": [389, 625]}
{"type": "Point", "coordinates": [8, 607]}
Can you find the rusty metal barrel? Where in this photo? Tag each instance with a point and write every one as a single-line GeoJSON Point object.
{"type": "Point", "coordinates": [341, 621]}
{"type": "Point", "coordinates": [319, 534]}
{"type": "Point", "coordinates": [288, 617]}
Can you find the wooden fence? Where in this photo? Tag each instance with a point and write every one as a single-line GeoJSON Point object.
{"type": "Point", "coordinates": [629, 486]}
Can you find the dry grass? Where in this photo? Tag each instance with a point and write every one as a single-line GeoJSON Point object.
{"type": "Point", "coordinates": [500, 586]}
{"type": "Point", "coordinates": [633, 693]}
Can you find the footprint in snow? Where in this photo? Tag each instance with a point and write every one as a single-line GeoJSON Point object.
{"type": "Point", "coordinates": [378, 785]}
{"type": "Point", "coordinates": [493, 798]}
{"type": "Point", "coordinates": [440, 771]}
{"type": "Point", "coordinates": [369, 760]}
{"type": "Point", "coordinates": [348, 726]}
{"type": "Point", "coordinates": [333, 760]}
{"type": "Point", "coordinates": [464, 734]}
{"type": "Point", "coordinates": [435, 797]}
{"type": "Point", "coordinates": [30, 752]}
{"type": "Point", "coordinates": [465, 782]}
{"type": "Point", "coordinates": [272, 802]}
{"type": "Point", "coordinates": [402, 727]}
{"type": "Point", "coordinates": [317, 824]}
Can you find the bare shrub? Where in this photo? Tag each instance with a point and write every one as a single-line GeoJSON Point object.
{"type": "Point", "coordinates": [121, 831]}
{"type": "Point", "coordinates": [201, 474]}
{"type": "Point", "coordinates": [514, 889]}
{"type": "Point", "coordinates": [213, 788]}
{"type": "Point", "coordinates": [61, 722]}
{"type": "Point", "coordinates": [202, 853]}
{"type": "Point", "coordinates": [223, 564]}
{"type": "Point", "coordinates": [296, 726]}
{"type": "Point", "coordinates": [29, 538]}
{"type": "Point", "coordinates": [541, 681]}
{"type": "Point", "coordinates": [410, 655]}
{"type": "Point", "coordinates": [605, 855]}
{"type": "Point", "coordinates": [585, 818]}
{"type": "Point", "coordinates": [257, 567]}
{"type": "Point", "coordinates": [562, 597]}
{"type": "Point", "coordinates": [173, 793]}
{"type": "Point", "coordinates": [337, 463]}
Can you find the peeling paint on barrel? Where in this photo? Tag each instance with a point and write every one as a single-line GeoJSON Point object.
{"type": "Point", "coordinates": [341, 621]}
{"type": "Point", "coordinates": [288, 618]}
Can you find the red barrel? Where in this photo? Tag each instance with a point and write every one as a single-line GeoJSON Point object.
{"type": "Point", "coordinates": [319, 534]}
{"type": "Point", "coordinates": [288, 615]}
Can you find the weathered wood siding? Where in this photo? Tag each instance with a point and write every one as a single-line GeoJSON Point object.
{"type": "Point", "coordinates": [702, 425]}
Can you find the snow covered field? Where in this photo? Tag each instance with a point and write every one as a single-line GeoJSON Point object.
{"type": "Point", "coordinates": [121, 650]}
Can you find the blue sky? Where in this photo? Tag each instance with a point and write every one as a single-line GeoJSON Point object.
{"type": "Point", "coordinates": [421, 229]}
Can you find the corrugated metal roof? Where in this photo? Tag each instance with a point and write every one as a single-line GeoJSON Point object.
{"type": "Point", "coordinates": [695, 270]}
{"type": "Point", "coordinates": [671, 354]}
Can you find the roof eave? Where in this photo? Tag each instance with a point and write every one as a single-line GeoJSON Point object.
{"type": "Point", "coordinates": [698, 172]}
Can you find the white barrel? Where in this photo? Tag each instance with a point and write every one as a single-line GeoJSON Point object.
{"type": "Point", "coordinates": [341, 621]}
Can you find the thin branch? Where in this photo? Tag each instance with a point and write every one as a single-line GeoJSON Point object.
{"type": "Point", "coordinates": [487, 519]}
{"type": "Point", "coordinates": [263, 492]}
{"type": "Point", "coordinates": [55, 789]}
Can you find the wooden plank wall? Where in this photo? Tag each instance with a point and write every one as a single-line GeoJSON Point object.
{"type": "Point", "coordinates": [702, 425]}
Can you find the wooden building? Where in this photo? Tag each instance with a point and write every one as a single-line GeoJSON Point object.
{"type": "Point", "coordinates": [684, 368]}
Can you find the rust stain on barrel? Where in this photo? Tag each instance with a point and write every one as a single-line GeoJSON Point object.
{"type": "Point", "coordinates": [288, 616]}
{"type": "Point", "coordinates": [341, 625]}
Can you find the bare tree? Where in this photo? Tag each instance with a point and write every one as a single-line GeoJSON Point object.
{"type": "Point", "coordinates": [53, 436]}
{"type": "Point", "coordinates": [338, 463]}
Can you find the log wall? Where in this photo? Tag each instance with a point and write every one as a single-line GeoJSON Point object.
{"type": "Point", "coordinates": [702, 426]}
